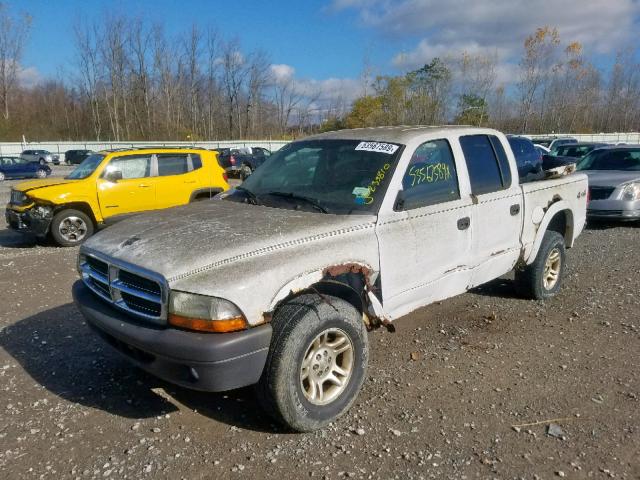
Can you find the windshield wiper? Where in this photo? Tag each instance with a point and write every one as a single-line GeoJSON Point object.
{"type": "Point", "coordinates": [293, 196]}
{"type": "Point", "coordinates": [253, 199]}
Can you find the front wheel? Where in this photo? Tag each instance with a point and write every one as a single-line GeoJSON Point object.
{"type": "Point", "coordinates": [317, 362]}
{"type": "Point", "coordinates": [71, 227]}
{"type": "Point", "coordinates": [543, 278]}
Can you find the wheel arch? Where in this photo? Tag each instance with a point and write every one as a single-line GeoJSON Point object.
{"type": "Point", "coordinates": [557, 218]}
{"type": "Point", "coordinates": [347, 281]}
{"type": "Point", "coordinates": [81, 206]}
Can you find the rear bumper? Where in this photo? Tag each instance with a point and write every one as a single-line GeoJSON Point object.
{"type": "Point", "coordinates": [200, 361]}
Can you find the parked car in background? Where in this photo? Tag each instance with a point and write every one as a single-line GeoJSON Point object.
{"type": "Point", "coordinates": [277, 282]}
{"type": "Point", "coordinates": [112, 185]}
{"type": "Point", "coordinates": [42, 156]}
{"type": "Point", "coordinates": [528, 159]}
{"type": "Point", "coordinates": [17, 167]}
{"type": "Point", "coordinates": [76, 157]}
{"type": "Point", "coordinates": [241, 161]}
{"type": "Point", "coordinates": [577, 150]}
{"type": "Point", "coordinates": [250, 161]}
{"type": "Point", "coordinates": [541, 148]}
{"type": "Point", "coordinates": [560, 141]}
{"type": "Point", "coordinates": [614, 182]}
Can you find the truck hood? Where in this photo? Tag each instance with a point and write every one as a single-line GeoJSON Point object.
{"type": "Point", "coordinates": [610, 178]}
{"type": "Point", "coordinates": [182, 241]}
{"type": "Point", "coordinates": [45, 182]}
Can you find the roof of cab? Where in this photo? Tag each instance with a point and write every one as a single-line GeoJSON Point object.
{"type": "Point", "coordinates": [398, 134]}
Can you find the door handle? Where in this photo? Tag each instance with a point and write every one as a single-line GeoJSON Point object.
{"type": "Point", "coordinates": [464, 223]}
{"type": "Point", "coordinates": [144, 185]}
{"type": "Point", "coordinates": [514, 209]}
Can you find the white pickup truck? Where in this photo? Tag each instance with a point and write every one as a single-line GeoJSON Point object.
{"type": "Point", "coordinates": [276, 283]}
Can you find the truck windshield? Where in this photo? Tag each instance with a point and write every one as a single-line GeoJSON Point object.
{"type": "Point", "coordinates": [627, 160]}
{"type": "Point", "coordinates": [330, 176]}
{"type": "Point", "coordinates": [87, 167]}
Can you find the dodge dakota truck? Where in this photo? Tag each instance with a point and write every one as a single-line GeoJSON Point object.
{"type": "Point", "coordinates": [276, 282]}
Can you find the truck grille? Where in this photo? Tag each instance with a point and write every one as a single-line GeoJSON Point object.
{"type": "Point", "coordinates": [139, 293]}
{"type": "Point", "coordinates": [601, 193]}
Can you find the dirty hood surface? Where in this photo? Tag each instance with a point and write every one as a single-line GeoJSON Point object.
{"type": "Point", "coordinates": [610, 178]}
{"type": "Point", "coordinates": [178, 242]}
{"type": "Point", "coordinates": [45, 182]}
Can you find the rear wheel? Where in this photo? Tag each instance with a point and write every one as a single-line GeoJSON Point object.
{"type": "Point", "coordinates": [71, 227]}
{"type": "Point", "coordinates": [317, 362]}
{"type": "Point", "coordinates": [245, 171]}
{"type": "Point", "coordinates": [2, 176]}
{"type": "Point", "coordinates": [42, 161]}
{"type": "Point", "coordinates": [41, 173]}
{"type": "Point", "coordinates": [543, 278]}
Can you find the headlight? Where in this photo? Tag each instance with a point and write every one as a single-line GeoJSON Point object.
{"type": "Point", "coordinates": [41, 211]}
{"type": "Point", "coordinates": [631, 191]}
{"type": "Point", "coordinates": [204, 313]}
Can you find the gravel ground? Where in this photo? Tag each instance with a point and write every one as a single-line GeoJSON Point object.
{"type": "Point", "coordinates": [484, 385]}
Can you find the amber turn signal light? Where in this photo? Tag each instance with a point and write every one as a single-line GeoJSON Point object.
{"type": "Point", "coordinates": [213, 326]}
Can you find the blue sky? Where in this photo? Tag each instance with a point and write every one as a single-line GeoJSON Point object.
{"type": "Point", "coordinates": [322, 40]}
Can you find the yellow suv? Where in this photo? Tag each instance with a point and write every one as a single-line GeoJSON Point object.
{"type": "Point", "coordinates": [110, 185]}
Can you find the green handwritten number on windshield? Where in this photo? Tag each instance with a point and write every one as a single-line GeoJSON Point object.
{"type": "Point", "coordinates": [436, 172]}
{"type": "Point", "coordinates": [375, 183]}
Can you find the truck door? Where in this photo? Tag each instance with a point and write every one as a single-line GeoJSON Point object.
{"type": "Point", "coordinates": [425, 243]}
{"type": "Point", "coordinates": [135, 192]}
{"type": "Point", "coordinates": [497, 214]}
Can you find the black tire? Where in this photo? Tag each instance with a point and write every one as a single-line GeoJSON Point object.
{"type": "Point", "coordinates": [67, 240]}
{"type": "Point", "coordinates": [295, 325]}
{"type": "Point", "coordinates": [530, 280]}
{"type": "Point", "coordinates": [41, 173]}
{"type": "Point", "coordinates": [245, 172]}
{"type": "Point", "coordinates": [42, 161]}
{"type": "Point", "coordinates": [2, 176]}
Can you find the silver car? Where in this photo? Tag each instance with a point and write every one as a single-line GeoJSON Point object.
{"type": "Point", "coordinates": [42, 156]}
{"type": "Point", "coordinates": [614, 182]}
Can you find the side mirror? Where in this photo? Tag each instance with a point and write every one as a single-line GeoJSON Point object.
{"type": "Point", "coordinates": [113, 176]}
{"type": "Point", "coordinates": [398, 206]}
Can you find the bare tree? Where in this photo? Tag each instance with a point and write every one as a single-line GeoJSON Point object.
{"type": "Point", "coordinates": [13, 33]}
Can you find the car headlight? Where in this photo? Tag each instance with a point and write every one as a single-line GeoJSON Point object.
{"type": "Point", "coordinates": [631, 191]}
{"type": "Point", "coordinates": [204, 313]}
{"type": "Point", "coordinates": [41, 211]}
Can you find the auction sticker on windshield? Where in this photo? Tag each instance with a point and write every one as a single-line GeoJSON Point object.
{"type": "Point", "coordinates": [387, 148]}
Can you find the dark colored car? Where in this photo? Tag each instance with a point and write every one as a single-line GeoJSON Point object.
{"type": "Point", "coordinates": [16, 167]}
{"type": "Point", "coordinates": [249, 162]}
{"type": "Point", "coordinates": [528, 159]}
{"type": "Point", "coordinates": [577, 150]}
{"type": "Point", "coordinates": [76, 157]}
{"type": "Point", "coordinates": [558, 142]}
{"type": "Point", "coordinates": [224, 157]}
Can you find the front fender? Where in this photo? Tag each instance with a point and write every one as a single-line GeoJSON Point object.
{"type": "Point", "coordinates": [308, 279]}
{"type": "Point", "coordinates": [530, 253]}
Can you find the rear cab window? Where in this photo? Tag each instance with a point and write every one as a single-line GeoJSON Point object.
{"type": "Point", "coordinates": [487, 172]}
{"type": "Point", "coordinates": [177, 163]}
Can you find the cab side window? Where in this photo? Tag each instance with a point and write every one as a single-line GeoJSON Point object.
{"type": "Point", "coordinates": [131, 166]}
{"type": "Point", "coordinates": [485, 171]}
{"type": "Point", "coordinates": [431, 176]}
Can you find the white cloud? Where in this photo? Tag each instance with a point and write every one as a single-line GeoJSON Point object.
{"type": "Point", "coordinates": [497, 27]}
{"type": "Point", "coordinates": [602, 24]}
{"type": "Point", "coordinates": [282, 72]}
{"type": "Point", "coordinates": [28, 76]}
